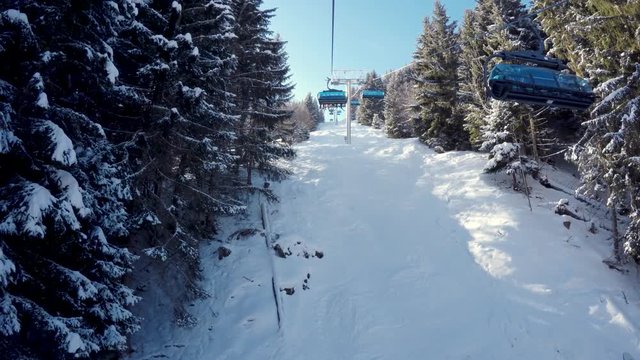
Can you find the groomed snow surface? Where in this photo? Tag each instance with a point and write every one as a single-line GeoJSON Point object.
{"type": "Point", "coordinates": [423, 257]}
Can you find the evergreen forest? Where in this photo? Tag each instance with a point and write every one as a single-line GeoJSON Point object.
{"type": "Point", "coordinates": [129, 128]}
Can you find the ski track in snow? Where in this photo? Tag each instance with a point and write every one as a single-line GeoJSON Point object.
{"type": "Point", "coordinates": [424, 258]}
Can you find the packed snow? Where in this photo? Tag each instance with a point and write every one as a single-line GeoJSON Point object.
{"type": "Point", "coordinates": [395, 252]}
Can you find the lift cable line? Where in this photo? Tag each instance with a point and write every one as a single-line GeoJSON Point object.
{"type": "Point", "coordinates": [332, 98]}
{"type": "Point", "coordinates": [504, 26]}
{"type": "Point", "coordinates": [333, 26]}
{"type": "Point", "coordinates": [349, 78]}
{"type": "Point", "coordinates": [530, 77]}
{"type": "Point", "coordinates": [338, 98]}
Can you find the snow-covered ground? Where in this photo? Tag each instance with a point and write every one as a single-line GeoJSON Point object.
{"type": "Point", "coordinates": [400, 253]}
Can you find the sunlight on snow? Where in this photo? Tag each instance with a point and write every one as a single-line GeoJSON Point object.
{"type": "Point", "coordinates": [537, 288]}
{"type": "Point", "coordinates": [423, 256]}
{"type": "Point", "coordinates": [609, 311]}
{"type": "Point", "coordinates": [485, 221]}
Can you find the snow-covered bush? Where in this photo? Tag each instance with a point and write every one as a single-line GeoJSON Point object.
{"type": "Point", "coordinates": [501, 155]}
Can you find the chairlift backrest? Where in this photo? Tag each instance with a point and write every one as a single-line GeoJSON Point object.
{"type": "Point", "coordinates": [539, 86]}
{"type": "Point", "coordinates": [332, 98]}
{"type": "Point", "coordinates": [372, 94]}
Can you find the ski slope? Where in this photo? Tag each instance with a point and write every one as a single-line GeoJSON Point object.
{"type": "Point", "coordinates": [423, 257]}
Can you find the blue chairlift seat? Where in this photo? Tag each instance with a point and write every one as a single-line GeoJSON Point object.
{"type": "Point", "coordinates": [539, 86]}
{"type": "Point", "coordinates": [332, 98]}
{"type": "Point", "coordinates": [372, 94]}
{"type": "Point", "coordinates": [355, 102]}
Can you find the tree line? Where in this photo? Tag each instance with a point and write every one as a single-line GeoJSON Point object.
{"type": "Point", "coordinates": [441, 99]}
{"type": "Point", "coordinates": [127, 128]}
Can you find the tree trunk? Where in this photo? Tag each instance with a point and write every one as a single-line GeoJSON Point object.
{"type": "Point", "coordinates": [616, 237]}
{"type": "Point", "coordinates": [249, 171]}
{"type": "Point", "coordinates": [534, 143]}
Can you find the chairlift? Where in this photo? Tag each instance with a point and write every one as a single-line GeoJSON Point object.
{"type": "Point", "coordinates": [372, 94]}
{"type": "Point", "coordinates": [355, 102]}
{"type": "Point", "coordinates": [544, 84]}
{"type": "Point", "coordinates": [332, 98]}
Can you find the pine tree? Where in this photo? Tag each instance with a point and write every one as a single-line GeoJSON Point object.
{"type": "Point", "coordinates": [62, 190]}
{"type": "Point", "coordinates": [370, 107]}
{"type": "Point", "coordinates": [298, 126]}
{"type": "Point", "coordinates": [97, 97]}
{"type": "Point", "coordinates": [597, 39]}
{"type": "Point", "coordinates": [262, 90]}
{"type": "Point", "coordinates": [176, 57]}
{"type": "Point", "coordinates": [495, 26]}
{"type": "Point", "coordinates": [473, 106]}
{"type": "Point", "coordinates": [306, 115]}
{"type": "Point", "coordinates": [606, 156]}
{"type": "Point", "coordinates": [564, 40]}
{"type": "Point", "coordinates": [397, 105]}
{"type": "Point", "coordinates": [378, 122]}
{"type": "Point", "coordinates": [303, 120]}
{"type": "Point", "coordinates": [437, 82]}
{"type": "Point", "coordinates": [313, 108]}
{"type": "Point", "coordinates": [500, 135]}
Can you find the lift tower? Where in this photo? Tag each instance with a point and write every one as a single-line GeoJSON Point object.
{"type": "Point", "coordinates": [349, 78]}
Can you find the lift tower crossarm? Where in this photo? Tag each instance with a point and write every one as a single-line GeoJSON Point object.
{"type": "Point", "coordinates": [348, 78]}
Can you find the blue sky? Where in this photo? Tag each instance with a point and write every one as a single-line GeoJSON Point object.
{"type": "Point", "coordinates": [369, 35]}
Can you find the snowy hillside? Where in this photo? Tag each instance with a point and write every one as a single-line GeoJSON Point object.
{"type": "Point", "coordinates": [395, 252]}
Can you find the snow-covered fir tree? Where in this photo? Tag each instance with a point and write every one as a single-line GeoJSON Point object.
{"type": "Point", "coordinates": [436, 73]}
{"type": "Point", "coordinates": [317, 116]}
{"type": "Point", "coordinates": [500, 132]}
{"type": "Point", "coordinates": [176, 57]}
{"type": "Point", "coordinates": [495, 26]}
{"type": "Point", "coordinates": [473, 105]}
{"type": "Point", "coordinates": [262, 89]}
{"type": "Point", "coordinates": [306, 115]}
{"type": "Point", "coordinates": [607, 53]}
{"type": "Point", "coordinates": [398, 101]}
{"type": "Point", "coordinates": [62, 189]}
{"type": "Point", "coordinates": [297, 127]}
{"type": "Point", "coordinates": [378, 121]}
